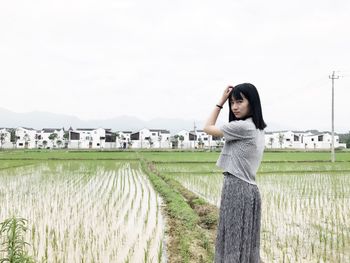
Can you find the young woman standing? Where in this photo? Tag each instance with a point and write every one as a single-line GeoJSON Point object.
{"type": "Point", "coordinates": [238, 233]}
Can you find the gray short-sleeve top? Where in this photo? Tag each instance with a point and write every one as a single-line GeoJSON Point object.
{"type": "Point", "coordinates": [243, 149]}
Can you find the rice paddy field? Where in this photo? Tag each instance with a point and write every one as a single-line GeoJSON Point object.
{"type": "Point", "coordinates": [101, 207]}
{"type": "Point", "coordinates": [83, 211]}
{"type": "Point", "coordinates": [305, 204]}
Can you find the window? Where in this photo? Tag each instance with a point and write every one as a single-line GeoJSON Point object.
{"type": "Point", "coordinates": [192, 137]}
{"type": "Point", "coordinates": [135, 136]}
{"type": "Point", "coordinates": [74, 136]}
{"type": "Point", "coordinates": [320, 138]}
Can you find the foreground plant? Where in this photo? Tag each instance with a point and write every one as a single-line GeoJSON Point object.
{"type": "Point", "coordinates": [12, 232]}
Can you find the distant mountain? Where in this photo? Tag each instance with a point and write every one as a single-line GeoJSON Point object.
{"type": "Point", "coordinates": [39, 120]}
{"type": "Point", "coordinates": [36, 119]}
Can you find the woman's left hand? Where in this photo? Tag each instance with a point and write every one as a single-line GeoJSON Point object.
{"type": "Point", "coordinates": [225, 95]}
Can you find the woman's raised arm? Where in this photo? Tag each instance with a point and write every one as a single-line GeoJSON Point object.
{"type": "Point", "coordinates": [209, 126]}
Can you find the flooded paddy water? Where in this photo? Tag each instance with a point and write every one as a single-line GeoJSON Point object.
{"type": "Point", "coordinates": [305, 216]}
{"type": "Point", "coordinates": [85, 211]}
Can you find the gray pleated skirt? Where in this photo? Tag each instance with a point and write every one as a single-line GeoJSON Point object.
{"type": "Point", "coordinates": [238, 232]}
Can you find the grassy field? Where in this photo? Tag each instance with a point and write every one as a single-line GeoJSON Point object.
{"type": "Point", "coordinates": [67, 155]}
{"type": "Point", "coordinates": [305, 198]}
{"type": "Point", "coordinates": [167, 156]}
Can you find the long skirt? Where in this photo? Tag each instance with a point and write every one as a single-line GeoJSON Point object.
{"type": "Point", "coordinates": [238, 233]}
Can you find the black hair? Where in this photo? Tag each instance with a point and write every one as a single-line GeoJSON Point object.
{"type": "Point", "coordinates": [250, 92]}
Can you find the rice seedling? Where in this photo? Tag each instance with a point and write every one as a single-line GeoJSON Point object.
{"type": "Point", "coordinates": [160, 252]}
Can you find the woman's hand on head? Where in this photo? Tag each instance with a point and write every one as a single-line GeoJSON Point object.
{"type": "Point", "coordinates": [209, 126]}
{"type": "Point", "coordinates": [225, 95]}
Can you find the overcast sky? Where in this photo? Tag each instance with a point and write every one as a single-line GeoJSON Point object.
{"type": "Point", "coordinates": [173, 59]}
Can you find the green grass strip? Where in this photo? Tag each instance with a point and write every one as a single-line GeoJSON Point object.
{"type": "Point", "coordinates": [178, 210]}
{"type": "Point", "coordinates": [198, 217]}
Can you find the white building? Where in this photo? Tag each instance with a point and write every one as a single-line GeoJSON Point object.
{"type": "Point", "coordinates": [189, 140]}
{"type": "Point", "coordinates": [285, 139]}
{"type": "Point", "coordinates": [117, 140]}
{"type": "Point", "coordinates": [322, 141]}
{"type": "Point", "coordinates": [26, 138]}
{"type": "Point", "coordinates": [198, 139]}
{"type": "Point", "coordinates": [150, 138]}
{"type": "Point", "coordinates": [87, 138]}
{"type": "Point", "coordinates": [205, 140]}
{"type": "Point", "coordinates": [45, 140]}
{"type": "Point", "coordinates": [301, 140]}
{"type": "Point", "coordinates": [124, 139]}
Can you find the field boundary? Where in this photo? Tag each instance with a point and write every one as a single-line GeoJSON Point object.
{"type": "Point", "coordinates": [194, 238]}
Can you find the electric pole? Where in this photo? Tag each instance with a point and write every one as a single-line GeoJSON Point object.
{"type": "Point", "coordinates": [195, 134]}
{"type": "Point", "coordinates": [333, 77]}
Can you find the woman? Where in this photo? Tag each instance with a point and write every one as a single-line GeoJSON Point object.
{"type": "Point", "coordinates": [238, 234]}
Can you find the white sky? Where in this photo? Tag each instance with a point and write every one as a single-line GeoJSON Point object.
{"type": "Point", "coordinates": [172, 59]}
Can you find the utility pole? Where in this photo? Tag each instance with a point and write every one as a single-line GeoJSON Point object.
{"type": "Point", "coordinates": [333, 77]}
{"type": "Point", "coordinates": [195, 134]}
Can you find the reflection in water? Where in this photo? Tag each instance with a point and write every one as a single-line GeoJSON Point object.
{"type": "Point", "coordinates": [85, 211]}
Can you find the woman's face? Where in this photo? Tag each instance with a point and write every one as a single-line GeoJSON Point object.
{"type": "Point", "coordinates": [240, 108]}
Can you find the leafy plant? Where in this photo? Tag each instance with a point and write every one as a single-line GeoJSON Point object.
{"type": "Point", "coordinates": [12, 233]}
{"type": "Point", "coordinates": [53, 137]}
{"type": "Point", "coordinates": [2, 138]}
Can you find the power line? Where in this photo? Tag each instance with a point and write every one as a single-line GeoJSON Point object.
{"type": "Point", "coordinates": [333, 77]}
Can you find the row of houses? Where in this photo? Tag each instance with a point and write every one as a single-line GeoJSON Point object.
{"type": "Point", "coordinates": [100, 138]}
{"type": "Point", "coordinates": [301, 140]}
